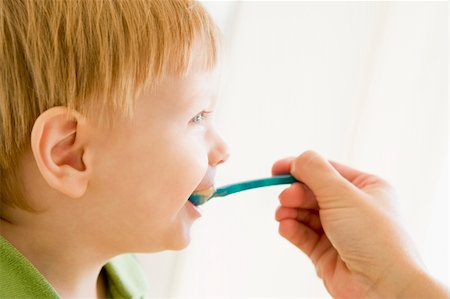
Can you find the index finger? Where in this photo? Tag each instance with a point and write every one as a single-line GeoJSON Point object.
{"type": "Point", "coordinates": [350, 174]}
{"type": "Point", "coordinates": [282, 166]}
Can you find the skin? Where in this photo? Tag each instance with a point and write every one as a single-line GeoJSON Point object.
{"type": "Point", "coordinates": [119, 190]}
{"type": "Point", "coordinates": [112, 191]}
{"type": "Point", "coordinates": [345, 221]}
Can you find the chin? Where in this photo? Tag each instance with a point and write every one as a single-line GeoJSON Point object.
{"type": "Point", "coordinates": [179, 244]}
{"type": "Point", "coordinates": [180, 235]}
{"type": "Point", "coordinates": [181, 239]}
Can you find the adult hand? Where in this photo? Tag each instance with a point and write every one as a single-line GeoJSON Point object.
{"type": "Point", "coordinates": [345, 221]}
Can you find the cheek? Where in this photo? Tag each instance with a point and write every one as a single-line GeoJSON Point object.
{"type": "Point", "coordinates": [187, 166]}
{"type": "Point", "coordinates": [172, 170]}
{"type": "Point", "coordinates": [141, 173]}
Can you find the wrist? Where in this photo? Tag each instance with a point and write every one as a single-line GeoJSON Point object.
{"type": "Point", "coordinates": [423, 285]}
{"type": "Point", "coordinates": [408, 282]}
{"type": "Point", "coordinates": [395, 280]}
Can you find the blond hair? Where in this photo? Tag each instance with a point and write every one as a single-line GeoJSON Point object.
{"type": "Point", "coordinates": [87, 55]}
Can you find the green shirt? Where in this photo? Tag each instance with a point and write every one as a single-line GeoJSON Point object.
{"type": "Point", "coordinates": [20, 279]}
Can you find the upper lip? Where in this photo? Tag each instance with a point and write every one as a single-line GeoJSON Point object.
{"type": "Point", "coordinates": [208, 179]}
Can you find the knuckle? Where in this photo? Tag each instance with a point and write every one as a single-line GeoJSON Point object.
{"type": "Point", "coordinates": [304, 160]}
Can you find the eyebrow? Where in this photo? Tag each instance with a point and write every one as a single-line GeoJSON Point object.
{"type": "Point", "coordinates": [204, 94]}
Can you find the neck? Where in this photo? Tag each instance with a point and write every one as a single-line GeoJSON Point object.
{"type": "Point", "coordinates": [71, 267]}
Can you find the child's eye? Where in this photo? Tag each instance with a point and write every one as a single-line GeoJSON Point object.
{"type": "Point", "coordinates": [200, 117]}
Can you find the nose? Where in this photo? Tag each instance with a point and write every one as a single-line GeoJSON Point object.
{"type": "Point", "coordinates": [219, 152]}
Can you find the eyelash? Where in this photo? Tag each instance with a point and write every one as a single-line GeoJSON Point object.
{"type": "Point", "coordinates": [201, 116]}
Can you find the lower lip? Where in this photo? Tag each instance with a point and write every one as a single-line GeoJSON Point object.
{"type": "Point", "coordinates": [193, 209]}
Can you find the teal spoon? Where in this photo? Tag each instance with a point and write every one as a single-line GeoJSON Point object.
{"type": "Point", "coordinates": [203, 196]}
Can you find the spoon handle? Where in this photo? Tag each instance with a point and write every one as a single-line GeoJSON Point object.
{"type": "Point", "coordinates": [237, 187]}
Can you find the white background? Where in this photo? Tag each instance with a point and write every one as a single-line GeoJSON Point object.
{"type": "Point", "coordinates": [363, 83]}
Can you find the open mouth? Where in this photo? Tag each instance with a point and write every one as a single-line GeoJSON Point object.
{"type": "Point", "coordinates": [205, 189]}
{"type": "Point", "coordinates": [202, 197]}
{"type": "Point", "coordinates": [207, 181]}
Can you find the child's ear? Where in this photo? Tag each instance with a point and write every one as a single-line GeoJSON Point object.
{"type": "Point", "coordinates": [60, 151]}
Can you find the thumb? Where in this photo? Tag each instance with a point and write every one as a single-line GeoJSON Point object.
{"type": "Point", "coordinates": [319, 175]}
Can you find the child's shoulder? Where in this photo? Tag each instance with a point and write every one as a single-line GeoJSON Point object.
{"type": "Point", "coordinates": [19, 278]}
{"type": "Point", "coordinates": [126, 278]}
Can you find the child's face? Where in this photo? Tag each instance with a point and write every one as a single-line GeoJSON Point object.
{"type": "Point", "coordinates": [146, 168]}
